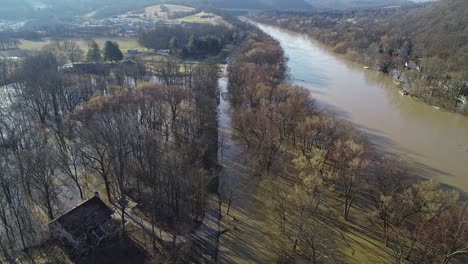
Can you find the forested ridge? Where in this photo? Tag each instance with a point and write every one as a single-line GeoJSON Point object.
{"type": "Point", "coordinates": [258, 4]}
{"type": "Point", "coordinates": [433, 36]}
{"type": "Point", "coordinates": [65, 9]}
{"type": "Point", "coordinates": [345, 4]}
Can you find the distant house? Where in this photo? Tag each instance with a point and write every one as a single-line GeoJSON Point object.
{"type": "Point", "coordinates": [87, 68]}
{"type": "Point", "coordinates": [462, 99]}
{"type": "Point", "coordinates": [132, 52]}
{"type": "Point", "coordinates": [9, 58]}
{"type": "Point", "coordinates": [86, 224]}
{"type": "Point", "coordinates": [412, 65]}
{"type": "Point", "coordinates": [163, 51]}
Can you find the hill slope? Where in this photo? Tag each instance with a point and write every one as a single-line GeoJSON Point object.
{"type": "Point", "coordinates": [342, 4]}
{"type": "Point", "coordinates": [440, 30]}
{"type": "Point", "coordinates": [434, 37]}
{"type": "Point", "coordinates": [25, 9]}
{"type": "Point", "coordinates": [258, 4]}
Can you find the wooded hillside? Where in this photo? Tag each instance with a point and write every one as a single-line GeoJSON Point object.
{"type": "Point", "coordinates": [342, 4]}
{"type": "Point", "coordinates": [432, 39]}
{"type": "Point", "coordinates": [258, 4]}
{"type": "Point", "coordinates": [439, 31]}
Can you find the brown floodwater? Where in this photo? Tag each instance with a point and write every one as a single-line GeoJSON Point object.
{"type": "Point", "coordinates": [434, 142]}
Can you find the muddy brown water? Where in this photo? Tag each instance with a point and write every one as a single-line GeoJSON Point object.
{"type": "Point", "coordinates": [433, 141]}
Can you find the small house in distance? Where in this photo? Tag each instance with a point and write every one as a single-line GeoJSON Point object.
{"type": "Point", "coordinates": [132, 52]}
{"type": "Point", "coordinates": [86, 68]}
{"type": "Point", "coordinates": [411, 65]}
{"type": "Point", "coordinates": [85, 225]}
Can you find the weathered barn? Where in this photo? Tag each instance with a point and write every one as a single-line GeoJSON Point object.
{"type": "Point", "coordinates": [85, 225]}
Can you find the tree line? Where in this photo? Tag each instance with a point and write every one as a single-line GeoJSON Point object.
{"type": "Point", "coordinates": [68, 51]}
{"type": "Point", "coordinates": [320, 159]}
{"type": "Point", "coordinates": [387, 39]}
{"type": "Point", "coordinates": [8, 44]}
{"type": "Point", "coordinates": [65, 135]}
{"type": "Point", "coordinates": [7, 68]}
{"type": "Point", "coordinates": [192, 40]}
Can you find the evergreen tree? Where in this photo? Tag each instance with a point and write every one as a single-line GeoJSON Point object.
{"type": "Point", "coordinates": [174, 46]}
{"type": "Point", "coordinates": [112, 52]}
{"type": "Point", "coordinates": [174, 43]}
{"type": "Point", "coordinates": [192, 44]}
{"type": "Point", "coordinates": [94, 52]}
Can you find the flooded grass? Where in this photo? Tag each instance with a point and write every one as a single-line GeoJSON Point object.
{"type": "Point", "coordinates": [250, 234]}
{"type": "Point", "coordinates": [251, 230]}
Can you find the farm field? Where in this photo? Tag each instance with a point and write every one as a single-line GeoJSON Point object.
{"type": "Point", "coordinates": [124, 43]}
{"type": "Point", "coordinates": [203, 17]}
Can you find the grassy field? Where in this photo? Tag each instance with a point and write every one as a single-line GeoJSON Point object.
{"type": "Point", "coordinates": [124, 43]}
{"type": "Point", "coordinates": [203, 18]}
{"type": "Point", "coordinates": [163, 11]}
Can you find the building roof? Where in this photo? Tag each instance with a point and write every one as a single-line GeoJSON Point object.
{"type": "Point", "coordinates": [85, 217]}
{"type": "Point", "coordinates": [412, 65]}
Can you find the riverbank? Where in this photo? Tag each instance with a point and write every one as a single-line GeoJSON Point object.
{"type": "Point", "coordinates": [312, 179]}
{"type": "Point", "coordinates": [245, 232]}
{"type": "Point", "coordinates": [441, 93]}
{"type": "Point", "coordinates": [249, 233]}
{"type": "Point", "coordinates": [433, 142]}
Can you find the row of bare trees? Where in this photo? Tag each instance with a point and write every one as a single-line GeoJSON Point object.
{"type": "Point", "coordinates": [282, 131]}
{"type": "Point", "coordinates": [7, 68]}
{"type": "Point", "coordinates": [8, 44]}
{"type": "Point", "coordinates": [65, 135]}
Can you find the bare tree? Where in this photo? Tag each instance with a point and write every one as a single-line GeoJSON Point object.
{"type": "Point", "coordinates": [38, 80]}
{"type": "Point", "coordinates": [429, 201]}
{"type": "Point", "coordinates": [72, 51]}
{"type": "Point", "coordinates": [7, 70]}
{"type": "Point", "coordinates": [167, 71]}
{"type": "Point", "coordinates": [110, 131]}
{"type": "Point", "coordinates": [303, 236]}
{"type": "Point", "coordinates": [97, 158]}
{"type": "Point", "coordinates": [261, 134]}
{"type": "Point", "coordinates": [42, 169]}
{"type": "Point", "coordinates": [350, 166]}
{"type": "Point", "coordinates": [69, 161]}
{"type": "Point", "coordinates": [386, 187]}
{"type": "Point", "coordinates": [228, 194]}
{"type": "Point", "coordinates": [449, 234]}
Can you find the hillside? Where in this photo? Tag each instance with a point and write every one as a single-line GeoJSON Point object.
{"type": "Point", "coordinates": [257, 4]}
{"type": "Point", "coordinates": [433, 38]}
{"type": "Point", "coordinates": [47, 9]}
{"type": "Point", "coordinates": [440, 31]}
{"type": "Point", "coordinates": [343, 4]}
{"type": "Point", "coordinates": [21, 9]}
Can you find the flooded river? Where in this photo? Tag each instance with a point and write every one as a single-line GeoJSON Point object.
{"type": "Point", "coordinates": [433, 141]}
